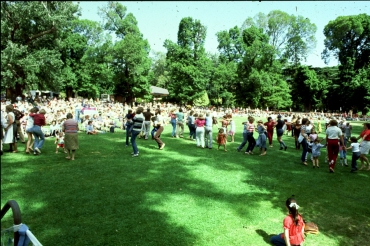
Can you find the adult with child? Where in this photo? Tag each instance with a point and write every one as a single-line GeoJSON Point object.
{"type": "Point", "coordinates": [365, 146]}
{"type": "Point", "coordinates": [333, 135]}
{"type": "Point", "coordinates": [70, 129]}
{"type": "Point", "coordinates": [10, 136]}
{"type": "Point", "coordinates": [293, 225]}
{"type": "Point", "coordinates": [138, 121]}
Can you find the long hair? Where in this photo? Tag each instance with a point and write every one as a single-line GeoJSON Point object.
{"type": "Point", "coordinates": [292, 209]}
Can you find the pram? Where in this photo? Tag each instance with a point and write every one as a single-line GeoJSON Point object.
{"type": "Point", "coordinates": [22, 235]}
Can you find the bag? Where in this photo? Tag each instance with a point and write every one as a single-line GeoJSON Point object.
{"type": "Point", "coordinates": [300, 138]}
{"type": "Point", "coordinates": [310, 228]}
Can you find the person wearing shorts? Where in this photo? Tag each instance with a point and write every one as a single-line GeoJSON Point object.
{"type": "Point", "coordinates": [365, 146]}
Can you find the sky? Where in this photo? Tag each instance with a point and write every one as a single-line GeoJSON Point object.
{"type": "Point", "coordinates": [159, 20]}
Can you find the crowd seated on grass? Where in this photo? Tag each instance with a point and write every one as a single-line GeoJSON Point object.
{"type": "Point", "coordinates": [105, 115]}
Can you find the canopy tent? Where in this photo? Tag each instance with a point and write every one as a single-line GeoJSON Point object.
{"type": "Point", "coordinates": [158, 92]}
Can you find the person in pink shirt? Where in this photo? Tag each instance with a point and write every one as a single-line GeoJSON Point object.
{"type": "Point", "coordinates": [199, 132]}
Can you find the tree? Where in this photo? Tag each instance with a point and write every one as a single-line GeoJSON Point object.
{"type": "Point", "coordinates": [131, 60]}
{"type": "Point", "coordinates": [190, 68]}
{"type": "Point", "coordinates": [30, 40]}
{"type": "Point", "coordinates": [293, 37]}
{"type": "Point", "coordinates": [347, 39]}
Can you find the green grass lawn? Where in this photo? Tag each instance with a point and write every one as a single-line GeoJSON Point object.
{"type": "Point", "coordinates": [181, 195]}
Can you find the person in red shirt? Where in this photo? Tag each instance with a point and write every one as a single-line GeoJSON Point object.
{"type": "Point", "coordinates": [38, 121]}
{"type": "Point", "coordinates": [293, 226]}
{"type": "Point", "coordinates": [270, 124]}
{"type": "Point", "coordinates": [365, 146]}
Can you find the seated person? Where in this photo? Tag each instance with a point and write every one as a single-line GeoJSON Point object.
{"type": "Point", "coordinates": [90, 129]}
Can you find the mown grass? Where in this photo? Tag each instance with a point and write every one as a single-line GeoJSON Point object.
{"type": "Point", "coordinates": [182, 195]}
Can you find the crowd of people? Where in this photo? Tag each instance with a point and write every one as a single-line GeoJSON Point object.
{"type": "Point", "coordinates": [63, 119]}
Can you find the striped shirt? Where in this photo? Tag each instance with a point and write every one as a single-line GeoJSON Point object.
{"type": "Point", "coordinates": [250, 128]}
{"type": "Point", "coordinates": [70, 126]}
{"type": "Point", "coordinates": [138, 122]}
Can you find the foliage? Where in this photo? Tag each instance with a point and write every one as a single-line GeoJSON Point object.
{"type": "Point", "coordinates": [30, 40]}
{"type": "Point", "coordinates": [188, 64]}
{"type": "Point", "coordinates": [203, 100]}
{"type": "Point", "coordinates": [347, 39]}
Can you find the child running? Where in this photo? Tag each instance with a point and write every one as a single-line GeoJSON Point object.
{"type": "Point", "coordinates": [355, 146]}
{"type": "Point", "coordinates": [221, 138]}
{"type": "Point", "coordinates": [316, 147]}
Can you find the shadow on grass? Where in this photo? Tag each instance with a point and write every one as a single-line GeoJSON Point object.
{"type": "Point", "coordinates": [266, 237]}
{"type": "Point", "coordinates": [179, 196]}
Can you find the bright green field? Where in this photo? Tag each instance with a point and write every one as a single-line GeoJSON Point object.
{"type": "Point", "coordinates": [181, 195]}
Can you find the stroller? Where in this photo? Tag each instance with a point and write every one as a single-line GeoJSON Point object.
{"type": "Point", "coordinates": [22, 235]}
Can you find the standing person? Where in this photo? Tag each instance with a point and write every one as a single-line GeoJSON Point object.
{"type": "Point", "coordinates": [316, 147]}
{"type": "Point", "coordinates": [18, 116]}
{"type": "Point", "coordinates": [59, 141]}
{"type": "Point", "coordinates": [29, 126]}
{"type": "Point", "coordinates": [319, 126]}
{"type": "Point", "coordinates": [180, 123]}
{"type": "Point", "coordinates": [10, 136]}
{"type": "Point", "coordinates": [347, 128]}
{"type": "Point", "coordinates": [199, 124]}
{"type": "Point", "coordinates": [270, 124]}
{"type": "Point", "coordinates": [138, 121]}
{"type": "Point", "coordinates": [245, 135]}
{"type": "Point", "coordinates": [293, 226]}
{"type": "Point", "coordinates": [250, 138]}
{"type": "Point", "coordinates": [221, 139]}
{"type": "Point", "coordinates": [279, 132]}
{"type": "Point", "coordinates": [38, 122]}
{"type": "Point", "coordinates": [365, 146]}
{"type": "Point", "coordinates": [232, 129]}
{"type": "Point", "coordinates": [191, 125]}
{"type": "Point", "coordinates": [333, 135]}
{"type": "Point", "coordinates": [2, 126]}
{"type": "Point", "coordinates": [70, 129]}
{"type": "Point", "coordinates": [128, 117]}
{"type": "Point", "coordinates": [147, 116]}
{"type": "Point", "coordinates": [261, 141]}
{"type": "Point", "coordinates": [355, 153]}
{"type": "Point", "coordinates": [208, 131]}
{"type": "Point", "coordinates": [303, 135]}
{"type": "Point", "coordinates": [157, 136]}
{"type": "Point", "coordinates": [172, 116]}
{"type": "Point", "coordinates": [297, 132]}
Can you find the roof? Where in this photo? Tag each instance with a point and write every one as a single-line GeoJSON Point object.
{"type": "Point", "coordinates": [157, 91]}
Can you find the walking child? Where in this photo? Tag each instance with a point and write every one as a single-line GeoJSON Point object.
{"type": "Point", "coordinates": [316, 151]}
{"type": "Point", "coordinates": [343, 156]}
{"type": "Point", "coordinates": [59, 141]}
{"type": "Point", "coordinates": [232, 129]}
{"type": "Point", "coordinates": [261, 141]}
{"type": "Point", "coordinates": [221, 138]}
{"type": "Point", "coordinates": [355, 146]}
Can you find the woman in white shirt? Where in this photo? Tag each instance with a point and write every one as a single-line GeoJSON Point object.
{"type": "Point", "coordinates": [333, 135]}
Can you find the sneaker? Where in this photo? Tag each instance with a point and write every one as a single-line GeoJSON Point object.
{"type": "Point", "coordinates": [162, 146]}
{"type": "Point", "coordinates": [285, 148]}
{"type": "Point", "coordinates": [135, 155]}
{"type": "Point", "coordinates": [38, 150]}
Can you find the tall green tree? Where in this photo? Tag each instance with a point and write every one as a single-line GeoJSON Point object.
{"type": "Point", "coordinates": [190, 68]}
{"type": "Point", "coordinates": [292, 36]}
{"type": "Point", "coordinates": [131, 60]}
{"type": "Point", "coordinates": [347, 39]}
{"type": "Point", "coordinates": [30, 41]}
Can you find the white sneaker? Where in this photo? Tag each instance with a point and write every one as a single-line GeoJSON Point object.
{"type": "Point", "coordinates": [135, 155]}
{"type": "Point", "coordinates": [162, 146]}
{"type": "Point", "coordinates": [37, 150]}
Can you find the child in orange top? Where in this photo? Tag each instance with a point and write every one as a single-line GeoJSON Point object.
{"type": "Point", "coordinates": [221, 139]}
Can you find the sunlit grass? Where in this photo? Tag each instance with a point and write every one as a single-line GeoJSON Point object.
{"type": "Point", "coordinates": [182, 195]}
